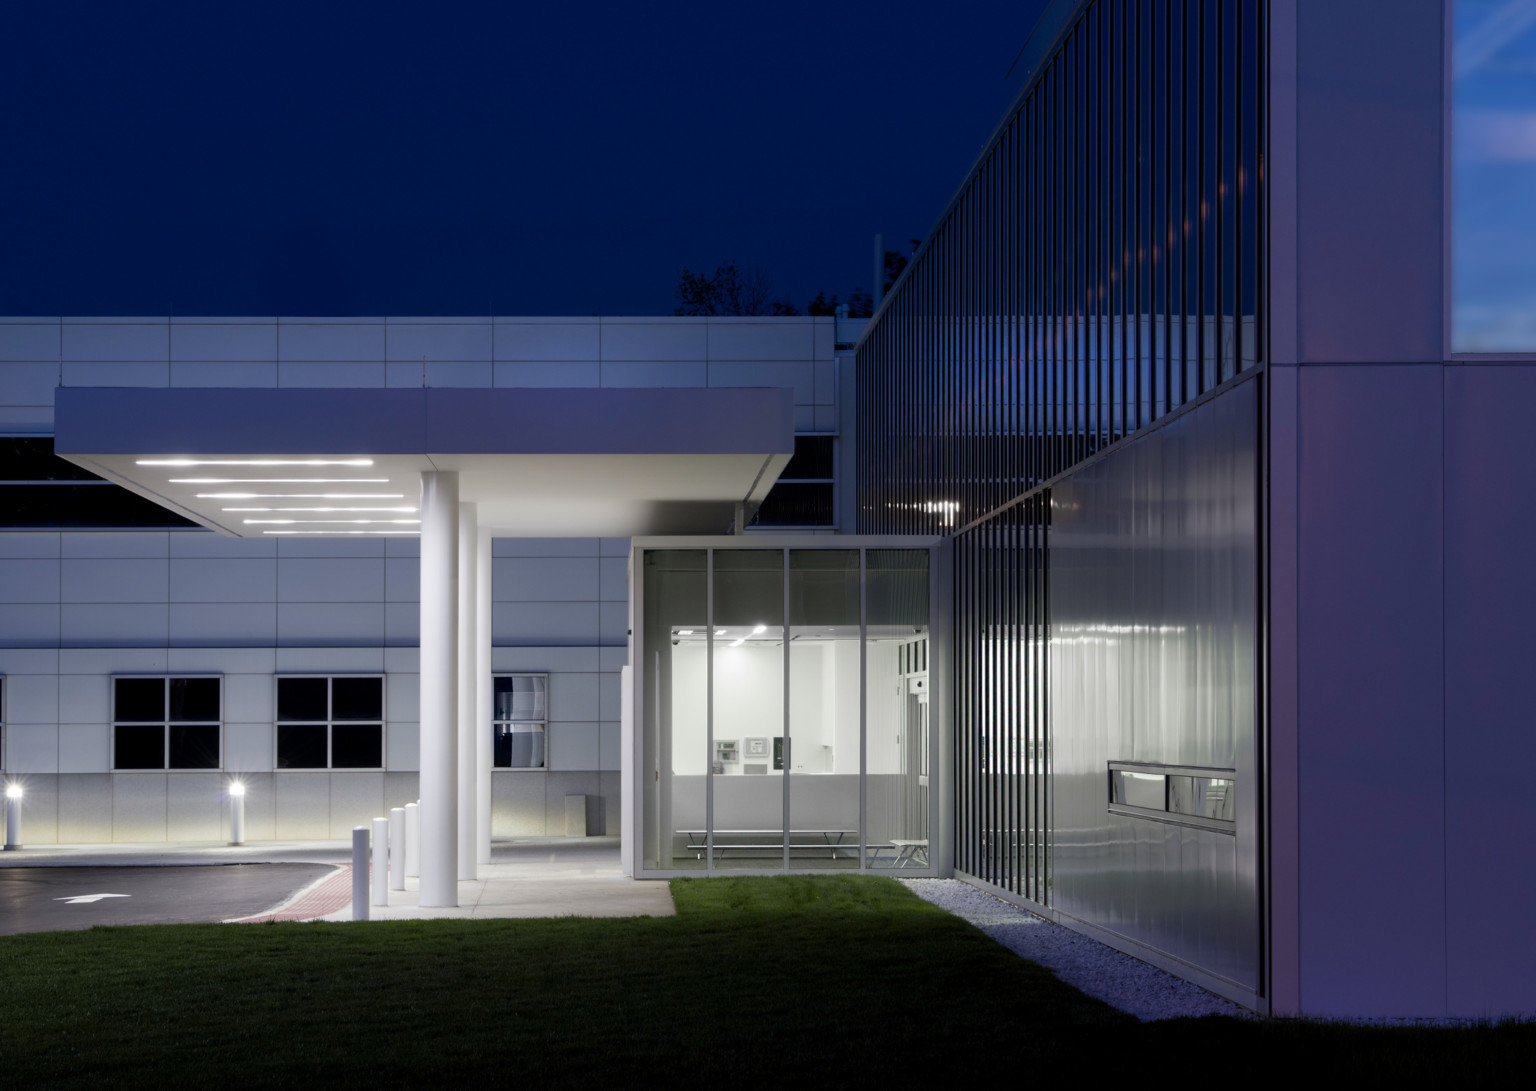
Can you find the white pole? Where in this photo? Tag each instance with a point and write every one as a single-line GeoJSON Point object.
{"type": "Point", "coordinates": [412, 841]}
{"type": "Point", "coordinates": [12, 817]}
{"type": "Point", "coordinates": [469, 538]}
{"type": "Point", "coordinates": [439, 685]}
{"type": "Point", "coordinates": [237, 813]}
{"type": "Point", "coordinates": [359, 873]}
{"type": "Point", "coordinates": [397, 848]}
{"type": "Point", "coordinates": [380, 875]}
{"type": "Point", "coordinates": [483, 698]}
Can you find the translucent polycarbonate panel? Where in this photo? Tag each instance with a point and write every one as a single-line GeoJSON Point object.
{"type": "Point", "coordinates": [898, 745]}
{"type": "Point", "coordinates": [749, 677]}
{"type": "Point", "coordinates": [1153, 602]}
{"type": "Point", "coordinates": [1493, 176]}
{"type": "Point", "coordinates": [824, 709]}
{"type": "Point", "coordinates": [673, 716]}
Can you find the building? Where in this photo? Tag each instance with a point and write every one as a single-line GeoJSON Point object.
{"type": "Point", "coordinates": [1159, 564]}
{"type": "Point", "coordinates": [1214, 371]}
{"type": "Point", "coordinates": [104, 594]}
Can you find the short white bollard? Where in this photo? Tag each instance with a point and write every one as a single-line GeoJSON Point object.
{"type": "Point", "coordinates": [12, 817]}
{"type": "Point", "coordinates": [413, 840]}
{"type": "Point", "coordinates": [381, 861]}
{"type": "Point", "coordinates": [397, 848]}
{"type": "Point", "coordinates": [236, 813]}
{"type": "Point", "coordinates": [359, 873]}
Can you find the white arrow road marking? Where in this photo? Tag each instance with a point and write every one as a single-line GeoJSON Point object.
{"type": "Point", "coordinates": [83, 899]}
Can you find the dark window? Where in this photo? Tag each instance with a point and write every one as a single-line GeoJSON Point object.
{"type": "Point", "coordinates": [357, 699]}
{"type": "Point", "coordinates": [139, 746]}
{"type": "Point", "coordinates": [165, 723]}
{"type": "Point", "coordinates": [356, 746]}
{"type": "Point", "coordinates": [194, 699]}
{"type": "Point", "coordinates": [339, 723]}
{"type": "Point", "coordinates": [301, 746]}
{"type": "Point", "coordinates": [796, 504]}
{"type": "Point", "coordinates": [302, 699]}
{"type": "Point", "coordinates": [40, 490]}
{"type": "Point", "coordinates": [812, 460]}
{"type": "Point", "coordinates": [804, 495]}
{"type": "Point", "coordinates": [194, 746]}
{"type": "Point", "coordinates": [140, 700]}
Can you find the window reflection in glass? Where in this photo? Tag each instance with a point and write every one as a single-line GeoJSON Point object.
{"type": "Point", "coordinates": [1493, 165]}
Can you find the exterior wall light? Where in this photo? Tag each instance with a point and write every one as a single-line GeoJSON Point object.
{"type": "Point", "coordinates": [13, 793]}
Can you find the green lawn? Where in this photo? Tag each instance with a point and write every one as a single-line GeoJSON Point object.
{"type": "Point", "coordinates": [795, 982]}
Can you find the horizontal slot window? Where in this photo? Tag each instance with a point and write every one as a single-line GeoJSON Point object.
{"type": "Point", "coordinates": [1203, 798]}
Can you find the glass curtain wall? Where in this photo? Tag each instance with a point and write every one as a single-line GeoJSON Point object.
{"type": "Point", "coordinates": [1100, 269]}
{"type": "Point", "coordinates": [771, 746]}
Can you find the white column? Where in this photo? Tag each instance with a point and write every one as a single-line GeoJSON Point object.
{"type": "Point", "coordinates": [439, 688]}
{"type": "Point", "coordinates": [483, 698]}
{"type": "Point", "coordinates": [469, 537]}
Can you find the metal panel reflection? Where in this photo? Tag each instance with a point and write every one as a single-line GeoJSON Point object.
{"type": "Point", "coordinates": [1153, 659]}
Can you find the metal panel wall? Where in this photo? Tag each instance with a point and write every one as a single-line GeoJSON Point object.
{"type": "Point", "coordinates": [1153, 658]}
{"type": "Point", "coordinates": [1098, 271]}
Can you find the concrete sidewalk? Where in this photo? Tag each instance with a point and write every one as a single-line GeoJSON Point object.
{"type": "Point", "coordinates": [539, 877]}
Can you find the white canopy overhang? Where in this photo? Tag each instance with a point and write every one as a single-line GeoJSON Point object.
{"type": "Point", "coordinates": [536, 462]}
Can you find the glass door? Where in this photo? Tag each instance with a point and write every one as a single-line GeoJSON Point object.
{"type": "Point", "coordinates": [825, 752]}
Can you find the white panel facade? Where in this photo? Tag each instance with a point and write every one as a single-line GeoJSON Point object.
{"type": "Point", "coordinates": [77, 607]}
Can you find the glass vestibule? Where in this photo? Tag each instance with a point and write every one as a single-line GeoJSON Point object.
{"type": "Point", "coordinates": [784, 709]}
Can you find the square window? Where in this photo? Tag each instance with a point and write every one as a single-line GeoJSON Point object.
{"type": "Point", "coordinates": [194, 746]}
{"type": "Point", "coordinates": [357, 746]}
{"type": "Point", "coordinates": [301, 746]}
{"type": "Point", "coordinates": [357, 699]}
{"type": "Point", "coordinates": [194, 699]}
{"type": "Point", "coordinates": [166, 723]}
{"type": "Point", "coordinates": [332, 736]}
{"type": "Point", "coordinates": [139, 700]}
{"type": "Point", "coordinates": [139, 746]}
{"type": "Point", "coordinates": [302, 699]}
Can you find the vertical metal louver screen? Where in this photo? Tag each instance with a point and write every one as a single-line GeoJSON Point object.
{"type": "Point", "coordinates": [1100, 269]}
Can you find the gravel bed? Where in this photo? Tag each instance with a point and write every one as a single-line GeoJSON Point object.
{"type": "Point", "coordinates": [1102, 972]}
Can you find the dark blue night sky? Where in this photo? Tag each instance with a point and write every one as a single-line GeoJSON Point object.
{"type": "Point", "coordinates": [451, 159]}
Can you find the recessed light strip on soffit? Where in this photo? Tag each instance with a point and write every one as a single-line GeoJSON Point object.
{"type": "Point", "coordinates": [254, 462]}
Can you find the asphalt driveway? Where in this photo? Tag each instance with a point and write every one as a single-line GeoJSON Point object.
{"type": "Point", "coordinates": [45, 899]}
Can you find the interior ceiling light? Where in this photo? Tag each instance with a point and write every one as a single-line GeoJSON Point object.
{"type": "Point", "coordinates": [279, 481]}
{"type": "Point", "coordinates": [719, 632]}
{"type": "Point", "coordinates": [756, 629]}
{"type": "Point", "coordinates": [254, 462]}
{"type": "Point", "coordinates": [319, 509]}
{"type": "Point", "coordinates": [740, 640]}
{"type": "Point", "coordinates": [301, 496]}
{"type": "Point", "coordinates": [338, 533]}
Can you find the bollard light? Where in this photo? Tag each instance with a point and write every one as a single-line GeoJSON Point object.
{"type": "Point", "coordinates": [236, 812]}
{"type": "Point", "coordinates": [13, 793]}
